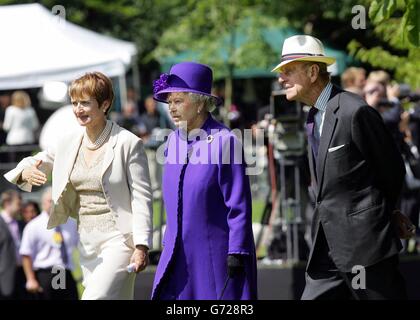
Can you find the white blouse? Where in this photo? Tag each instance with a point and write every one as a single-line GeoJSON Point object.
{"type": "Point", "coordinates": [20, 123]}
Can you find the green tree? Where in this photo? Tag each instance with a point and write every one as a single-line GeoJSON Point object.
{"type": "Point", "coordinates": [224, 34]}
{"type": "Point", "coordinates": [397, 26]}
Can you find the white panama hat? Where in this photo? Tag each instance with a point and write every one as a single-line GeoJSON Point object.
{"type": "Point", "coordinates": [302, 48]}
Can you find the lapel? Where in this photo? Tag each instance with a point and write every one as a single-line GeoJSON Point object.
{"type": "Point", "coordinates": [72, 154]}
{"type": "Point", "coordinates": [109, 152]}
{"type": "Point", "coordinates": [330, 123]}
{"type": "Point", "coordinates": [4, 228]}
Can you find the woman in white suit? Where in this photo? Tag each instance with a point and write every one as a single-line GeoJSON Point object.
{"type": "Point", "coordinates": [101, 178]}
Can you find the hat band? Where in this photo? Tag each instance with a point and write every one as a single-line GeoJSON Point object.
{"type": "Point", "coordinates": [292, 56]}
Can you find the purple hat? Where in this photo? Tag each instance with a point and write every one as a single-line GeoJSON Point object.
{"type": "Point", "coordinates": [185, 77]}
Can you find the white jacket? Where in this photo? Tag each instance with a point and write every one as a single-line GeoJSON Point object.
{"type": "Point", "coordinates": [125, 182]}
{"type": "Point", "coordinates": [20, 125]}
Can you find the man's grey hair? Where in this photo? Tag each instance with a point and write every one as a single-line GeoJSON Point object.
{"type": "Point", "coordinates": [209, 103]}
{"type": "Point", "coordinates": [323, 71]}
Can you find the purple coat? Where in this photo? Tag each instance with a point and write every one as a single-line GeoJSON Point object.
{"type": "Point", "coordinates": [216, 217]}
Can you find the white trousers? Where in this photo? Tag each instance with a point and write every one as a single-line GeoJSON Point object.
{"type": "Point", "coordinates": [104, 255]}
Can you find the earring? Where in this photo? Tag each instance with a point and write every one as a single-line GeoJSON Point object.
{"type": "Point", "coordinates": [198, 111]}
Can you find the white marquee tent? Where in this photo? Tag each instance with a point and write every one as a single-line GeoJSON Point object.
{"type": "Point", "coordinates": [38, 46]}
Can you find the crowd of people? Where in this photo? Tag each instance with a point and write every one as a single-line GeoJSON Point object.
{"type": "Point", "coordinates": [400, 111]}
{"type": "Point", "coordinates": [29, 251]}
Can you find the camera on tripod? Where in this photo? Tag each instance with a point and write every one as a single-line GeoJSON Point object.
{"type": "Point", "coordinates": [289, 134]}
{"type": "Point", "coordinates": [286, 154]}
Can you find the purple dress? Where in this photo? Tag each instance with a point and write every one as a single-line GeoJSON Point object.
{"type": "Point", "coordinates": [209, 216]}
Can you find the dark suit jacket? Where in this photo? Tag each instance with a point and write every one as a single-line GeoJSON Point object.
{"type": "Point", "coordinates": [7, 260]}
{"type": "Point", "coordinates": [356, 186]}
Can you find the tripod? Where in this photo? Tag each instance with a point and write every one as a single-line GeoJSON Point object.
{"type": "Point", "coordinates": [270, 203]}
{"type": "Point", "coordinates": [283, 208]}
{"type": "Point", "coordinates": [290, 207]}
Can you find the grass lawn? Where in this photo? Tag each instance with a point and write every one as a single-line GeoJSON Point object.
{"type": "Point", "coordinates": [257, 210]}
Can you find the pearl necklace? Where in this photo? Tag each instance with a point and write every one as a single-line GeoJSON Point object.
{"type": "Point", "coordinates": [100, 140]}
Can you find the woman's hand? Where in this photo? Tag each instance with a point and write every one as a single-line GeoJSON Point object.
{"type": "Point", "coordinates": [140, 258]}
{"type": "Point", "coordinates": [33, 175]}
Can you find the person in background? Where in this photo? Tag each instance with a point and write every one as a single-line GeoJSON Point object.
{"type": "Point", "coordinates": [353, 80]}
{"type": "Point", "coordinates": [11, 271]}
{"type": "Point", "coordinates": [30, 210]}
{"type": "Point", "coordinates": [381, 94]}
{"type": "Point", "coordinates": [393, 115]}
{"type": "Point", "coordinates": [4, 103]}
{"type": "Point", "coordinates": [130, 119]}
{"type": "Point", "coordinates": [20, 122]}
{"type": "Point", "coordinates": [44, 249]}
{"type": "Point", "coordinates": [151, 122]}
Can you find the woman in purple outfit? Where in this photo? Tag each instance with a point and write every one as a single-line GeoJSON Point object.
{"type": "Point", "coordinates": [209, 250]}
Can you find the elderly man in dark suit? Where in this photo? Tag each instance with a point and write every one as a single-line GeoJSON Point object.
{"type": "Point", "coordinates": [7, 262]}
{"type": "Point", "coordinates": [12, 279]}
{"type": "Point", "coordinates": [357, 175]}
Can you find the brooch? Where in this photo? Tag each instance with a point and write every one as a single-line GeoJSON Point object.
{"type": "Point", "coordinates": [210, 138]}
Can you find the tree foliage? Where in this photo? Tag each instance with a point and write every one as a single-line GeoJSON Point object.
{"type": "Point", "coordinates": [224, 34]}
{"type": "Point", "coordinates": [397, 25]}
{"type": "Point", "coordinates": [165, 27]}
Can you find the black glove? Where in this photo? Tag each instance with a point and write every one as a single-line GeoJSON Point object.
{"type": "Point", "coordinates": [235, 264]}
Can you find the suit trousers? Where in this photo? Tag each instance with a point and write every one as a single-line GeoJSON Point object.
{"type": "Point", "coordinates": [325, 282]}
{"type": "Point", "coordinates": [19, 290]}
{"type": "Point", "coordinates": [45, 280]}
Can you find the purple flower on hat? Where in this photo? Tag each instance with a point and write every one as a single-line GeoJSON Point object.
{"type": "Point", "coordinates": [161, 83]}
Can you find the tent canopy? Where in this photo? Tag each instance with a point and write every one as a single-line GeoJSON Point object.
{"type": "Point", "coordinates": [38, 46]}
{"type": "Point", "coordinates": [274, 37]}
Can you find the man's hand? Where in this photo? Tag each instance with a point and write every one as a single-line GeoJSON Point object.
{"type": "Point", "coordinates": [140, 258]}
{"type": "Point", "coordinates": [33, 175]}
{"type": "Point", "coordinates": [405, 229]}
{"type": "Point", "coordinates": [33, 286]}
